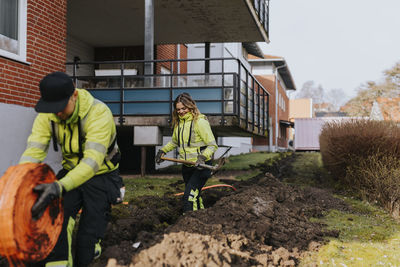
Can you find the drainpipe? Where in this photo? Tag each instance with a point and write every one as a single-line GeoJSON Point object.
{"type": "Point", "coordinates": [276, 105]}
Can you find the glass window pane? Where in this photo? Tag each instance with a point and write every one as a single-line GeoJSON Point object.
{"type": "Point", "coordinates": [9, 25]}
{"type": "Point", "coordinates": [228, 108]}
{"type": "Point", "coordinates": [9, 18]}
{"type": "Point", "coordinates": [228, 94]}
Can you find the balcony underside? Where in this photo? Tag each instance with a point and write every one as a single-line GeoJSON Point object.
{"type": "Point", "coordinates": [231, 126]}
{"type": "Point", "coordinates": [102, 23]}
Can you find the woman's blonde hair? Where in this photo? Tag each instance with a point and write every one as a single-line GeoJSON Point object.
{"type": "Point", "coordinates": [189, 103]}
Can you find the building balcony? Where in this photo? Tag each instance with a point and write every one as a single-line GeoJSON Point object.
{"type": "Point", "coordinates": [121, 23]}
{"type": "Point", "coordinates": [235, 103]}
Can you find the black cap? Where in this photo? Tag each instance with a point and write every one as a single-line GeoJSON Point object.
{"type": "Point", "coordinates": [55, 89]}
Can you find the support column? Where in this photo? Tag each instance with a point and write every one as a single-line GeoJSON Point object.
{"type": "Point", "coordinates": [207, 55]}
{"type": "Point", "coordinates": [143, 161]}
{"type": "Point", "coordinates": [276, 110]}
{"type": "Point", "coordinates": [207, 62]}
{"type": "Point", "coordinates": [148, 66]}
{"type": "Point", "coordinates": [178, 56]}
{"type": "Point", "coordinates": [148, 35]}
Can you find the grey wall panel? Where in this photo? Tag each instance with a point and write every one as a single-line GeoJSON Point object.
{"type": "Point", "coordinates": [16, 123]}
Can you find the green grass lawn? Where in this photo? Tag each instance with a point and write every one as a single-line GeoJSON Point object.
{"type": "Point", "coordinates": [147, 186]}
{"type": "Point", "coordinates": [248, 160]}
{"type": "Point", "coordinates": [158, 186]}
{"type": "Point", "coordinates": [369, 236]}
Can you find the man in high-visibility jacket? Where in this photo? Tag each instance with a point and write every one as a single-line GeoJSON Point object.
{"type": "Point", "coordinates": [84, 129]}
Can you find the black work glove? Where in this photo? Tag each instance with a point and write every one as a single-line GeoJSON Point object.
{"type": "Point", "coordinates": [47, 193]}
{"type": "Point", "coordinates": [160, 153]}
{"type": "Point", "coordinates": [201, 159]}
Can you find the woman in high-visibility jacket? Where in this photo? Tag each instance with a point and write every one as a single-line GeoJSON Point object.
{"type": "Point", "coordinates": [193, 137]}
{"type": "Point", "coordinates": [84, 128]}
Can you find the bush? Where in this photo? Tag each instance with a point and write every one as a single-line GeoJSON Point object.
{"type": "Point", "coordinates": [377, 179]}
{"type": "Point", "coordinates": [343, 143]}
{"type": "Point", "coordinates": [365, 156]}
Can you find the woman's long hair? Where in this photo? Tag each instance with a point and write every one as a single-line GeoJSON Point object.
{"type": "Point", "coordinates": [188, 102]}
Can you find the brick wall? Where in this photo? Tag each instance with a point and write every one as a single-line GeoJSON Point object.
{"type": "Point", "coordinates": [184, 51]}
{"type": "Point", "coordinates": [268, 81]}
{"type": "Point", "coordinates": [283, 114]}
{"type": "Point", "coordinates": [169, 51]}
{"type": "Point", "coordinates": [46, 52]}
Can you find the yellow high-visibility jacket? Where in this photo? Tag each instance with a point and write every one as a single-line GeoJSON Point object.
{"type": "Point", "coordinates": [93, 122]}
{"type": "Point", "coordinates": [192, 138]}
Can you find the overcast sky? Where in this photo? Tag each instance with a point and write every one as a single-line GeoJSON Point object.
{"type": "Point", "coordinates": [335, 43]}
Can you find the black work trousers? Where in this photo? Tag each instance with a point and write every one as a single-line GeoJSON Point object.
{"type": "Point", "coordinates": [194, 180]}
{"type": "Point", "coordinates": [93, 198]}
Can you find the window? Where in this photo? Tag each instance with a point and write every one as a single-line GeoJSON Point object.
{"type": "Point", "coordinates": [13, 29]}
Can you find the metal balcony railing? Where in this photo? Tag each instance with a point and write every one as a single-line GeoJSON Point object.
{"type": "Point", "coordinates": [262, 9]}
{"type": "Point", "coordinates": [229, 89]}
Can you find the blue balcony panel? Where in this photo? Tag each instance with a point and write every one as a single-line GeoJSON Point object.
{"type": "Point", "coordinates": [209, 107]}
{"type": "Point", "coordinates": [146, 95]}
{"type": "Point", "coordinates": [146, 109]}
{"type": "Point", "coordinates": [200, 93]}
{"type": "Point", "coordinates": [106, 95]}
{"type": "Point", "coordinates": [114, 108]}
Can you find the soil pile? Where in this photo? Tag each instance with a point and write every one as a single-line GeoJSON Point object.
{"type": "Point", "coordinates": [264, 222]}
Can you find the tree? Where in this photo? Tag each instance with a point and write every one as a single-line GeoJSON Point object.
{"type": "Point", "coordinates": [392, 78]}
{"type": "Point", "coordinates": [310, 90]}
{"type": "Point", "coordinates": [361, 105]}
{"type": "Point", "coordinates": [336, 97]}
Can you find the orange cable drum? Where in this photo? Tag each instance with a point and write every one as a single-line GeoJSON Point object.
{"type": "Point", "coordinates": [22, 239]}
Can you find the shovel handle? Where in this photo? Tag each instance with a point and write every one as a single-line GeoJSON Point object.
{"type": "Point", "coordinates": [191, 163]}
{"type": "Point", "coordinates": [179, 161]}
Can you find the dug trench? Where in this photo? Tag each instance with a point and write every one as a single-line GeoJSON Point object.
{"type": "Point", "coordinates": [265, 222]}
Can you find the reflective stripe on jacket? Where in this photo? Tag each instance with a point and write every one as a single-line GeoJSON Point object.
{"type": "Point", "coordinates": [192, 138]}
{"type": "Point", "coordinates": [99, 133]}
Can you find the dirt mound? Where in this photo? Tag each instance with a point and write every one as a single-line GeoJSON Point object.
{"type": "Point", "coordinates": [264, 222]}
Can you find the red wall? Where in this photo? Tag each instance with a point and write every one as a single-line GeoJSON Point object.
{"type": "Point", "coordinates": [268, 81]}
{"type": "Point", "coordinates": [169, 51]}
{"type": "Point", "coordinates": [46, 52]}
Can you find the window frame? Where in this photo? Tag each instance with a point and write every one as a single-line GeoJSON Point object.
{"type": "Point", "coordinates": [22, 33]}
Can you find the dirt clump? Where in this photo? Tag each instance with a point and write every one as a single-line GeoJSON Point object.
{"type": "Point", "coordinates": [263, 223]}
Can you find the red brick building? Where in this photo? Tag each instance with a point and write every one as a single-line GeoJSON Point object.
{"type": "Point", "coordinates": [40, 36]}
{"type": "Point", "coordinates": [274, 74]}
{"type": "Point", "coordinates": [26, 58]}
{"type": "Point", "coordinates": [37, 51]}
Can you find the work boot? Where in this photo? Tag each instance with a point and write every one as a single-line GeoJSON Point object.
{"type": "Point", "coordinates": [97, 250]}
